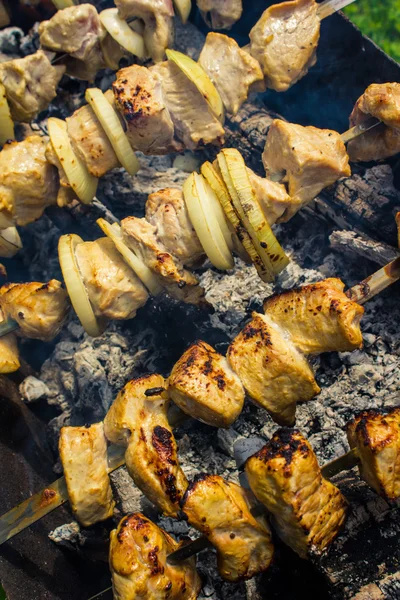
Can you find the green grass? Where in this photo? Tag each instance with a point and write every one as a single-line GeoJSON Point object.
{"type": "Point", "coordinates": [379, 20]}
{"type": "Point", "coordinates": [2, 594]}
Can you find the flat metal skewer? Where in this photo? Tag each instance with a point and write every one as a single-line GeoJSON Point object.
{"type": "Point", "coordinates": [375, 283]}
{"type": "Point", "coordinates": [329, 7]}
{"type": "Point", "coordinates": [358, 130]}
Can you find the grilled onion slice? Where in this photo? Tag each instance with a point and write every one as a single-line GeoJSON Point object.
{"type": "Point", "coordinates": [79, 178]}
{"type": "Point", "coordinates": [6, 122]}
{"type": "Point", "coordinates": [201, 80]}
{"type": "Point", "coordinates": [112, 126]}
{"type": "Point", "coordinates": [182, 9]}
{"type": "Point", "coordinates": [60, 4]}
{"type": "Point", "coordinates": [122, 33]}
{"type": "Point", "coordinates": [74, 284]}
{"type": "Point", "coordinates": [145, 274]}
{"type": "Point", "coordinates": [196, 192]}
{"type": "Point", "coordinates": [10, 242]}
{"type": "Point", "coordinates": [271, 250]}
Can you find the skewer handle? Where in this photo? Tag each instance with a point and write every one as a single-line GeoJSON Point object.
{"type": "Point", "coordinates": [328, 7]}
{"type": "Point", "coordinates": [8, 326]}
{"type": "Point", "coordinates": [376, 283]}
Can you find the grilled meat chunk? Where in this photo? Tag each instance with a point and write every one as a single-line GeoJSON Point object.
{"type": "Point", "coordinates": [204, 386]}
{"type": "Point", "coordinates": [272, 197]}
{"type": "Point", "coordinates": [139, 567]}
{"type": "Point", "coordinates": [9, 356]}
{"type": "Point", "coordinates": [39, 309]}
{"type": "Point", "coordinates": [139, 99]}
{"type": "Point", "coordinates": [221, 511]}
{"type": "Point", "coordinates": [166, 210]}
{"type": "Point", "coordinates": [31, 84]}
{"type": "Point", "coordinates": [141, 237]}
{"type": "Point", "coordinates": [83, 453]}
{"type": "Point", "coordinates": [318, 317]}
{"type": "Point", "coordinates": [274, 373]}
{"type": "Point", "coordinates": [376, 437]}
{"type": "Point", "coordinates": [158, 24]}
{"type": "Point", "coordinates": [308, 511]}
{"type": "Point", "coordinates": [194, 123]}
{"type": "Point", "coordinates": [233, 71]}
{"type": "Point", "coordinates": [90, 142]}
{"type": "Point", "coordinates": [310, 159]}
{"type": "Point", "coordinates": [138, 419]}
{"type": "Point", "coordinates": [75, 30]}
{"type": "Point", "coordinates": [285, 40]}
{"type": "Point", "coordinates": [28, 183]}
{"type": "Point", "coordinates": [115, 292]}
{"type": "Point", "coordinates": [377, 144]}
{"type": "Point", "coordinates": [220, 14]}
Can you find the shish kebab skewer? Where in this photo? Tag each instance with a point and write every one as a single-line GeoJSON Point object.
{"type": "Point", "coordinates": [35, 507]}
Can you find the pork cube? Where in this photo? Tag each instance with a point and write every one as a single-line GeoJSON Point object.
{"type": "Point", "coordinates": [308, 511]}
{"type": "Point", "coordinates": [220, 14]}
{"type": "Point", "coordinates": [9, 355]}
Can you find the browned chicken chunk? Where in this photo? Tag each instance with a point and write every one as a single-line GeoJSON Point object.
{"type": "Point", "coordinates": [308, 158]}
{"type": "Point", "coordinates": [28, 183]}
{"type": "Point", "coordinates": [376, 437]}
{"type": "Point", "coordinates": [83, 453]}
{"type": "Point", "coordinates": [139, 99]}
{"type": "Point", "coordinates": [9, 355]}
{"type": "Point", "coordinates": [138, 419]}
{"type": "Point", "coordinates": [285, 40]}
{"type": "Point", "coordinates": [115, 292]}
{"type": "Point", "coordinates": [31, 84]}
{"type": "Point", "coordinates": [139, 567]}
{"type": "Point", "coordinates": [204, 386]}
{"type": "Point", "coordinates": [141, 237]}
{"type": "Point", "coordinates": [40, 309]}
{"type": "Point", "coordinates": [233, 71]}
{"type": "Point", "coordinates": [222, 512]}
{"type": "Point", "coordinates": [308, 511]}
{"type": "Point", "coordinates": [195, 125]}
{"type": "Point", "coordinates": [158, 25]}
{"type": "Point", "coordinates": [318, 317]}
{"type": "Point", "coordinates": [166, 210]}
{"type": "Point", "coordinates": [274, 373]}
{"type": "Point", "coordinates": [220, 14]}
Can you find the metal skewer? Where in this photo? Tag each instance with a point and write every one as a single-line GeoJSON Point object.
{"type": "Point", "coordinates": [354, 132]}
{"type": "Point", "coordinates": [328, 7]}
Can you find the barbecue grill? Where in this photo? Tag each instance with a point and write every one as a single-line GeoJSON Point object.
{"type": "Point", "coordinates": [348, 231]}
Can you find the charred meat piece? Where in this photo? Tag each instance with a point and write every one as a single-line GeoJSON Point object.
{"type": "Point", "coordinates": [139, 567]}
{"type": "Point", "coordinates": [318, 317]}
{"type": "Point", "coordinates": [309, 158]}
{"type": "Point", "coordinates": [194, 123]}
{"type": "Point", "coordinates": [115, 292]}
{"type": "Point", "coordinates": [28, 183]}
{"type": "Point", "coordinates": [140, 101]}
{"type": "Point", "coordinates": [233, 71]}
{"type": "Point", "coordinates": [376, 437]}
{"type": "Point", "coordinates": [9, 355]}
{"type": "Point", "coordinates": [166, 210]}
{"type": "Point", "coordinates": [272, 197]}
{"type": "Point", "coordinates": [274, 373]}
{"type": "Point", "coordinates": [221, 511]}
{"type": "Point", "coordinates": [158, 24]}
{"type": "Point", "coordinates": [39, 309]}
{"type": "Point", "coordinates": [138, 419]}
{"type": "Point", "coordinates": [75, 30]}
{"type": "Point", "coordinates": [141, 237]}
{"type": "Point", "coordinates": [31, 84]}
{"type": "Point", "coordinates": [308, 511]}
{"type": "Point", "coordinates": [83, 453]}
{"type": "Point", "coordinates": [204, 386]}
{"type": "Point", "coordinates": [284, 41]}
{"type": "Point", "coordinates": [381, 101]}
{"type": "Point", "coordinates": [220, 14]}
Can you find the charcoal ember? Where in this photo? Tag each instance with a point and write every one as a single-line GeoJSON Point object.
{"type": "Point", "coordinates": [10, 43]}
{"type": "Point", "coordinates": [33, 389]}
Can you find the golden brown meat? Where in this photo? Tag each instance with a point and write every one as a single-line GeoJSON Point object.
{"type": "Point", "coordinates": [222, 512]}
{"type": "Point", "coordinates": [285, 40]}
{"type": "Point", "coordinates": [204, 386]}
{"type": "Point", "coordinates": [308, 511]}
{"type": "Point", "coordinates": [40, 309]}
{"type": "Point", "coordinates": [28, 183]}
{"type": "Point", "coordinates": [9, 356]}
{"type": "Point", "coordinates": [114, 291]}
{"type": "Point", "coordinates": [83, 453]}
{"type": "Point", "coordinates": [138, 419]}
{"type": "Point", "coordinates": [318, 317]}
{"type": "Point", "coordinates": [308, 158]}
{"type": "Point", "coordinates": [166, 210]}
{"type": "Point", "coordinates": [272, 197]}
{"type": "Point", "coordinates": [220, 14]}
{"type": "Point", "coordinates": [274, 373]}
{"type": "Point", "coordinates": [139, 567]}
{"type": "Point", "coordinates": [233, 71]}
{"type": "Point", "coordinates": [376, 437]}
